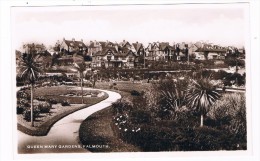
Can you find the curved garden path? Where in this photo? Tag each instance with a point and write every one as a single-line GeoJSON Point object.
{"type": "Point", "coordinates": [63, 132]}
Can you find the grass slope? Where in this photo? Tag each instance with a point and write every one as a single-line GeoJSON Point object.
{"type": "Point", "coordinates": [97, 130]}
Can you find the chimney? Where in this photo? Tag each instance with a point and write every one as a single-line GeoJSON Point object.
{"type": "Point", "coordinates": [136, 42]}
{"type": "Point", "coordinates": [81, 40]}
{"type": "Point", "coordinates": [64, 39]}
{"type": "Point", "coordinates": [73, 39]}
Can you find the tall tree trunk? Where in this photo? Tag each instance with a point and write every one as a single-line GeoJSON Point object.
{"type": "Point", "coordinates": [201, 120]}
{"type": "Point", "coordinates": [32, 122]}
{"type": "Point", "coordinates": [81, 84]}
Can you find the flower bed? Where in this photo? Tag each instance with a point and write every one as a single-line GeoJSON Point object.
{"type": "Point", "coordinates": [49, 107]}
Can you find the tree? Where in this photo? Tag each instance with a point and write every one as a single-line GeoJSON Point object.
{"type": "Point", "coordinates": [201, 95]}
{"type": "Point", "coordinates": [30, 69]}
{"type": "Point", "coordinates": [81, 67]}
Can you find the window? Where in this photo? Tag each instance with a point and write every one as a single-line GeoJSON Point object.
{"type": "Point", "coordinates": [116, 57]}
{"type": "Point", "coordinates": [108, 57]}
{"type": "Point", "coordinates": [130, 58]}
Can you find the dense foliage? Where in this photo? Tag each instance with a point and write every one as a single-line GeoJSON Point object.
{"type": "Point", "coordinates": [160, 119]}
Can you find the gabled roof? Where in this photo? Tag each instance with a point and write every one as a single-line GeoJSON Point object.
{"type": "Point", "coordinates": [125, 51]}
{"type": "Point", "coordinates": [106, 44]}
{"type": "Point", "coordinates": [164, 45]}
{"type": "Point", "coordinates": [137, 46]}
{"type": "Point", "coordinates": [105, 50]}
{"type": "Point", "coordinates": [124, 43]}
{"type": "Point", "coordinates": [74, 44]}
{"type": "Point", "coordinates": [161, 46]}
{"type": "Point", "coordinates": [91, 45]}
{"type": "Point", "coordinates": [94, 44]}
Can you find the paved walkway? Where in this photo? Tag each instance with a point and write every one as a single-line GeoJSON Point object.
{"type": "Point", "coordinates": [63, 136]}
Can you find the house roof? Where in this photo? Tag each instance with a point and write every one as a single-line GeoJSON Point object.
{"type": "Point", "coordinates": [161, 46]}
{"type": "Point", "coordinates": [125, 51]}
{"type": "Point", "coordinates": [75, 43]}
{"type": "Point", "coordinates": [124, 43]}
{"type": "Point", "coordinates": [91, 45]}
{"type": "Point", "coordinates": [137, 46]}
{"type": "Point", "coordinates": [210, 50]}
{"type": "Point", "coordinates": [106, 44]}
{"type": "Point", "coordinates": [164, 45]}
{"type": "Point", "coordinates": [105, 50]}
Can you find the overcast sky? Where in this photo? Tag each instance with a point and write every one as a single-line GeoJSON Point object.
{"type": "Point", "coordinates": [219, 24]}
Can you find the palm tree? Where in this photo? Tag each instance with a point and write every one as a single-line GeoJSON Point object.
{"type": "Point", "coordinates": [201, 95]}
{"type": "Point", "coordinates": [30, 69]}
{"type": "Point", "coordinates": [81, 67]}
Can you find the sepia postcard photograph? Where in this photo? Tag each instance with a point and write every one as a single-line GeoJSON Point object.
{"type": "Point", "coordinates": [131, 78]}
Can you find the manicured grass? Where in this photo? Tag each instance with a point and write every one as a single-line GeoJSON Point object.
{"type": "Point", "coordinates": [97, 130]}
{"type": "Point", "coordinates": [124, 87]}
{"type": "Point", "coordinates": [44, 122]}
{"type": "Point", "coordinates": [58, 93]}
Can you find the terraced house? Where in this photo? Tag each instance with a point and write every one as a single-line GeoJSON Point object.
{"type": "Point", "coordinates": [107, 54]}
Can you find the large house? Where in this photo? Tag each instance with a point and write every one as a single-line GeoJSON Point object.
{"type": "Point", "coordinates": [33, 48]}
{"type": "Point", "coordinates": [139, 51]}
{"type": "Point", "coordinates": [209, 51]}
{"type": "Point", "coordinates": [94, 47]}
{"type": "Point", "coordinates": [110, 57]}
{"type": "Point", "coordinates": [72, 46]}
{"type": "Point", "coordinates": [166, 51]}
{"type": "Point", "coordinates": [152, 52]}
{"type": "Point", "coordinates": [110, 54]}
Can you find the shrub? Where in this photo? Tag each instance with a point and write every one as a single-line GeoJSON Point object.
{"type": "Point", "coordinates": [40, 98]}
{"type": "Point", "coordinates": [140, 116]}
{"type": "Point", "coordinates": [53, 101]}
{"type": "Point", "coordinates": [135, 93]}
{"type": "Point", "coordinates": [21, 105]}
{"type": "Point", "coordinates": [230, 111]}
{"type": "Point", "coordinates": [20, 109]}
{"type": "Point", "coordinates": [44, 107]}
{"type": "Point", "coordinates": [121, 107]}
{"type": "Point", "coordinates": [27, 114]}
{"type": "Point", "coordinates": [22, 94]}
{"type": "Point", "coordinates": [65, 103]}
{"type": "Point", "coordinates": [111, 86]}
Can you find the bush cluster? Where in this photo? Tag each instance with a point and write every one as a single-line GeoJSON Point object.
{"type": "Point", "coordinates": [65, 103]}
{"type": "Point", "coordinates": [27, 114]}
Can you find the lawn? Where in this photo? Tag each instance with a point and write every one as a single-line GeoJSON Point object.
{"type": "Point", "coordinates": [124, 87]}
{"type": "Point", "coordinates": [44, 121]}
{"type": "Point", "coordinates": [97, 130]}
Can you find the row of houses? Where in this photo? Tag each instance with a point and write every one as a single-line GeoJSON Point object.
{"type": "Point", "coordinates": [126, 54]}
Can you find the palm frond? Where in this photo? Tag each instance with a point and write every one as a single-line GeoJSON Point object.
{"type": "Point", "coordinates": [30, 67]}
{"type": "Point", "coordinates": [201, 95]}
